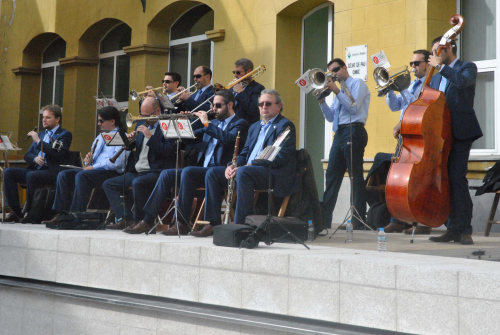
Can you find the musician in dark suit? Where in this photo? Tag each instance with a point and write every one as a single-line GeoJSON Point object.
{"type": "Point", "coordinates": [202, 76]}
{"type": "Point", "coordinates": [247, 96]}
{"type": "Point", "coordinates": [217, 139]}
{"type": "Point", "coordinates": [250, 174]}
{"type": "Point", "coordinates": [171, 83]}
{"type": "Point", "coordinates": [457, 79]}
{"type": "Point", "coordinates": [43, 167]}
{"type": "Point", "coordinates": [153, 154]}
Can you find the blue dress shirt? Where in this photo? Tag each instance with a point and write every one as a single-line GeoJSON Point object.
{"type": "Point", "coordinates": [258, 148]}
{"type": "Point", "coordinates": [103, 153]}
{"type": "Point", "coordinates": [398, 103]}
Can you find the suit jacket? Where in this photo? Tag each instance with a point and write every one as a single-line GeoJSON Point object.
{"type": "Point", "coordinates": [284, 165]}
{"type": "Point", "coordinates": [54, 157]}
{"type": "Point", "coordinates": [224, 149]}
{"type": "Point", "coordinates": [190, 103]}
{"type": "Point", "coordinates": [460, 91]}
{"type": "Point", "coordinates": [161, 154]}
{"type": "Point", "coordinates": [247, 106]}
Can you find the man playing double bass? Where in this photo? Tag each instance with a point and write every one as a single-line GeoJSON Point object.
{"type": "Point", "coordinates": [457, 79]}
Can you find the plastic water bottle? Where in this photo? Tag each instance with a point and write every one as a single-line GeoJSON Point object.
{"type": "Point", "coordinates": [381, 240]}
{"type": "Point", "coordinates": [310, 231]}
{"type": "Point", "coordinates": [348, 230]}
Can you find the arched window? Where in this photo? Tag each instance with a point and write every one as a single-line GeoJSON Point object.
{"type": "Point", "coordinates": [189, 46]}
{"type": "Point", "coordinates": [114, 64]}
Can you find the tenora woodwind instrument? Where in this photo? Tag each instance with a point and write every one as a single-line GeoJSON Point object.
{"type": "Point", "coordinates": [91, 158]}
{"type": "Point", "coordinates": [232, 183]}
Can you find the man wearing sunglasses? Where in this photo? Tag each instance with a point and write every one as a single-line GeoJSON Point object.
{"type": "Point", "coordinates": [346, 119]}
{"type": "Point", "coordinates": [420, 66]}
{"type": "Point", "coordinates": [153, 154]}
{"type": "Point", "coordinates": [202, 77]}
{"type": "Point", "coordinates": [457, 80]}
{"type": "Point", "coordinates": [250, 174]}
{"type": "Point", "coordinates": [247, 95]}
{"type": "Point", "coordinates": [98, 168]}
{"type": "Point", "coordinates": [217, 139]}
{"type": "Point", "coordinates": [171, 83]}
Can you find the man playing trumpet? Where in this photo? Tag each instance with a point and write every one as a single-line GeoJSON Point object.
{"type": "Point", "coordinates": [171, 84]}
{"type": "Point", "coordinates": [202, 77]}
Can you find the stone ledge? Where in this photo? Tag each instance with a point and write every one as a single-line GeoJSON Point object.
{"type": "Point", "coordinates": [30, 71]}
{"type": "Point", "coordinates": [217, 35]}
{"type": "Point", "coordinates": [146, 49]}
{"type": "Point", "coordinates": [78, 61]}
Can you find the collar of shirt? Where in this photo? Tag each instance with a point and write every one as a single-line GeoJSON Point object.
{"type": "Point", "coordinates": [348, 81]}
{"type": "Point", "coordinates": [172, 94]}
{"type": "Point", "coordinates": [452, 64]}
{"type": "Point", "coordinates": [227, 120]}
{"type": "Point", "coordinates": [53, 130]}
{"type": "Point", "coordinates": [263, 123]}
{"type": "Point", "coordinates": [204, 89]}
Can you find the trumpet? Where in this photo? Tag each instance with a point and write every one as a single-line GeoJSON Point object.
{"type": "Point", "coordinates": [142, 95]}
{"type": "Point", "coordinates": [184, 90]}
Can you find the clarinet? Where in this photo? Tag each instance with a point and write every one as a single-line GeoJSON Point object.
{"type": "Point", "coordinates": [232, 183]}
{"type": "Point", "coordinates": [91, 159]}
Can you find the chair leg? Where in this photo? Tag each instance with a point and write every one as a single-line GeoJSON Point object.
{"type": "Point", "coordinates": [200, 216]}
{"type": "Point", "coordinates": [492, 215]}
{"type": "Point", "coordinates": [284, 204]}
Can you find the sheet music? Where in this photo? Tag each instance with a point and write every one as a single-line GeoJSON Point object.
{"type": "Point", "coordinates": [5, 143]}
{"type": "Point", "coordinates": [165, 101]}
{"type": "Point", "coordinates": [112, 139]}
{"type": "Point", "coordinates": [280, 139]}
{"type": "Point", "coordinates": [176, 129]}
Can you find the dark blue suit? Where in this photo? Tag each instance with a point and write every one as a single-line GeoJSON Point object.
{"type": "Point", "coordinates": [247, 102]}
{"type": "Point", "coordinates": [254, 177]}
{"type": "Point", "coordinates": [34, 177]}
{"type": "Point", "coordinates": [460, 92]}
{"type": "Point", "coordinates": [193, 177]}
{"type": "Point", "coordinates": [161, 155]}
{"type": "Point", "coordinates": [191, 103]}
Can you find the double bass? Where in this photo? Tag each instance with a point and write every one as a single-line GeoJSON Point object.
{"type": "Point", "coordinates": [417, 188]}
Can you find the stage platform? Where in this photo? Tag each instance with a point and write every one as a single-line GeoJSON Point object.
{"type": "Point", "coordinates": [408, 289]}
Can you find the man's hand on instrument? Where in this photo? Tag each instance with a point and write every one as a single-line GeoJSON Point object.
{"type": "Point", "coordinates": [132, 134]}
{"type": "Point", "coordinates": [230, 171]}
{"type": "Point", "coordinates": [397, 130]}
{"type": "Point", "coordinates": [238, 88]}
{"type": "Point", "coordinates": [202, 115]}
{"type": "Point", "coordinates": [435, 60]}
{"type": "Point", "coordinates": [184, 96]}
{"type": "Point", "coordinates": [332, 86]}
{"type": "Point", "coordinates": [145, 130]}
{"type": "Point", "coordinates": [34, 136]}
{"type": "Point", "coordinates": [40, 160]}
{"type": "Point", "coordinates": [87, 168]}
{"type": "Point", "coordinates": [150, 93]}
{"type": "Point", "coordinates": [87, 158]}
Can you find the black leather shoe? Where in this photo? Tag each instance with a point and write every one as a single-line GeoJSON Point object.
{"type": "Point", "coordinates": [206, 231]}
{"type": "Point", "coordinates": [466, 239]}
{"type": "Point", "coordinates": [446, 237]}
{"type": "Point", "coordinates": [12, 218]}
{"type": "Point", "coordinates": [25, 220]}
{"type": "Point", "coordinates": [53, 221]}
{"type": "Point", "coordinates": [141, 227]}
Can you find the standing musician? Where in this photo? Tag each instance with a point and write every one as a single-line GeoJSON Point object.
{"type": "Point", "coordinates": [247, 96]}
{"type": "Point", "coordinates": [250, 174]}
{"type": "Point", "coordinates": [171, 83]}
{"type": "Point", "coordinates": [218, 139]}
{"type": "Point", "coordinates": [420, 66]}
{"type": "Point", "coordinates": [153, 154]}
{"type": "Point", "coordinates": [43, 167]}
{"type": "Point", "coordinates": [98, 168]}
{"type": "Point", "coordinates": [202, 77]}
{"type": "Point", "coordinates": [457, 79]}
{"type": "Point", "coordinates": [340, 113]}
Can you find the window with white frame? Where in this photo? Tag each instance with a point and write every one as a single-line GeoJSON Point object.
{"type": "Point", "coordinates": [477, 43]}
{"type": "Point", "coordinates": [189, 46]}
{"type": "Point", "coordinates": [52, 81]}
{"type": "Point", "coordinates": [114, 65]}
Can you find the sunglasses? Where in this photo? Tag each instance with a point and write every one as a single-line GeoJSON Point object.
{"type": "Point", "coordinates": [219, 105]}
{"type": "Point", "coordinates": [268, 104]}
{"type": "Point", "coordinates": [417, 62]}
{"type": "Point", "coordinates": [166, 81]}
{"type": "Point", "coordinates": [198, 76]}
{"type": "Point", "coordinates": [101, 121]}
{"type": "Point", "coordinates": [238, 72]}
{"type": "Point", "coordinates": [336, 69]}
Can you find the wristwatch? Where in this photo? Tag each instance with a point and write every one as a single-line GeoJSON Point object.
{"type": "Point", "coordinates": [438, 67]}
{"type": "Point", "coordinates": [206, 123]}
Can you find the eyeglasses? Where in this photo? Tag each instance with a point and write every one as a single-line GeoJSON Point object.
{"type": "Point", "coordinates": [268, 104]}
{"type": "Point", "coordinates": [166, 81]}
{"type": "Point", "coordinates": [336, 69]}
{"type": "Point", "coordinates": [417, 62]}
{"type": "Point", "coordinates": [219, 105]}
{"type": "Point", "coordinates": [238, 72]}
{"type": "Point", "coordinates": [198, 76]}
{"type": "Point", "coordinates": [101, 121]}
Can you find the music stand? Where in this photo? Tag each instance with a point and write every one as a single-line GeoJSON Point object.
{"type": "Point", "coordinates": [6, 146]}
{"type": "Point", "coordinates": [177, 129]}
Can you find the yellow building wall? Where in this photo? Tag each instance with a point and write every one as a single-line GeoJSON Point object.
{"type": "Point", "coordinates": [267, 32]}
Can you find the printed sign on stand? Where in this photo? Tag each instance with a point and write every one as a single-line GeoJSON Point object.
{"type": "Point", "coordinates": [356, 61]}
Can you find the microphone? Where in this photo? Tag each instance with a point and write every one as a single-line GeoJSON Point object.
{"type": "Point", "coordinates": [34, 129]}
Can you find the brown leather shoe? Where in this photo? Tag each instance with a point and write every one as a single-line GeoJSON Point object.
{"type": "Point", "coordinates": [172, 231]}
{"type": "Point", "coordinates": [120, 225]}
{"type": "Point", "coordinates": [446, 237]}
{"type": "Point", "coordinates": [206, 231]}
{"type": "Point", "coordinates": [24, 220]}
{"type": "Point", "coordinates": [466, 239]}
{"type": "Point", "coordinates": [12, 218]}
{"type": "Point", "coordinates": [129, 225]}
{"type": "Point", "coordinates": [419, 230]}
{"type": "Point", "coordinates": [141, 227]}
{"type": "Point", "coordinates": [395, 227]}
{"type": "Point", "coordinates": [53, 221]}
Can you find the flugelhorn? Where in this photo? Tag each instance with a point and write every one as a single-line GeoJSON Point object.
{"type": "Point", "coordinates": [397, 81]}
{"type": "Point", "coordinates": [136, 95]}
{"type": "Point", "coordinates": [184, 90]}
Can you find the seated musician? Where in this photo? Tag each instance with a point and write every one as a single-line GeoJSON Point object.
{"type": "Point", "coordinates": [252, 175]}
{"type": "Point", "coordinates": [218, 140]}
{"type": "Point", "coordinates": [171, 84]}
{"type": "Point", "coordinates": [43, 165]}
{"type": "Point", "coordinates": [98, 168]}
{"type": "Point", "coordinates": [247, 96]}
{"type": "Point", "coordinates": [153, 154]}
{"type": "Point", "coordinates": [202, 77]}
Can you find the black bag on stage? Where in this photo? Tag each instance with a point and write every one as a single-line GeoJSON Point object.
{"type": "Point", "coordinates": [78, 221]}
{"type": "Point", "coordinates": [231, 235]}
{"type": "Point", "coordinates": [378, 215]}
{"type": "Point", "coordinates": [41, 205]}
{"type": "Point", "coordinates": [296, 226]}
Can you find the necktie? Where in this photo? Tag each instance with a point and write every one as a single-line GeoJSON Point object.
{"type": "Point", "coordinates": [209, 155]}
{"type": "Point", "coordinates": [46, 139]}
{"type": "Point", "coordinates": [151, 127]}
{"type": "Point", "coordinates": [415, 86]}
{"type": "Point", "coordinates": [197, 95]}
{"type": "Point", "coordinates": [336, 115]}
{"type": "Point", "coordinates": [257, 149]}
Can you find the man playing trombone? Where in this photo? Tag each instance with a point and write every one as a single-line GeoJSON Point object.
{"type": "Point", "coordinates": [98, 168]}
{"type": "Point", "coordinates": [202, 77]}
